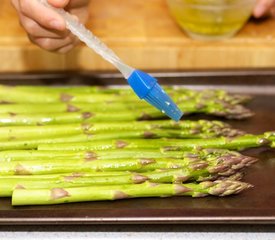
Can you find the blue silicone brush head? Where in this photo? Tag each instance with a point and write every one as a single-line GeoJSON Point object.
{"type": "Point", "coordinates": [147, 88]}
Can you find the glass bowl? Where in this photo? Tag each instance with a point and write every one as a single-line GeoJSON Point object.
{"type": "Point", "coordinates": [211, 19]}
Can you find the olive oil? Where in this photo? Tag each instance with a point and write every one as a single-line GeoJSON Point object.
{"type": "Point", "coordinates": [204, 19]}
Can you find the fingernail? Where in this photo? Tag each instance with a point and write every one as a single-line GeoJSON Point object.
{"type": "Point", "coordinates": [56, 25]}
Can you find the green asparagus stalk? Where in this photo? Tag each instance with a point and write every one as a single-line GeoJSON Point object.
{"type": "Point", "coordinates": [202, 103]}
{"type": "Point", "coordinates": [68, 175]}
{"type": "Point", "coordinates": [199, 125]}
{"type": "Point", "coordinates": [221, 171]}
{"type": "Point", "coordinates": [17, 95]}
{"type": "Point", "coordinates": [19, 137]}
{"type": "Point", "coordinates": [164, 128]}
{"type": "Point", "coordinates": [147, 189]}
{"type": "Point", "coordinates": [17, 133]}
{"type": "Point", "coordinates": [213, 107]}
{"type": "Point", "coordinates": [59, 107]}
{"type": "Point", "coordinates": [179, 92]}
{"type": "Point", "coordinates": [66, 166]}
{"type": "Point", "coordinates": [33, 143]}
{"type": "Point", "coordinates": [41, 155]}
{"type": "Point", "coordinates": [84, 138]}
{"type": "Point", "coordinates": [236, 143]}
{"type": "Point", "coordinates": [86, 142]}
{"type": "Point", "coordinates": [12, 119]}
{"type": "Point", "coordinates": [226, 163]}
{"type": "Point", "coordinates": [9, 183]}
{"type": "Point", "coordinates": [73, 89]}
{"type": "Point", "coordinates": [157, 133]}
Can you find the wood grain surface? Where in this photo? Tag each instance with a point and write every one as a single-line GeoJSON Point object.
{"type": "Point", "coordinates": [144, 35]}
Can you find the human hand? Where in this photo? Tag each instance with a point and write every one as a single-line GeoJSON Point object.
{"type": "Point", "coordinates": [263, 7]}
{"type": "Point", "coordinates": [45, 27]}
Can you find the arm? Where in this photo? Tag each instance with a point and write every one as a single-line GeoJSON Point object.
{"type": "Point", "coordinates": [46, 28]}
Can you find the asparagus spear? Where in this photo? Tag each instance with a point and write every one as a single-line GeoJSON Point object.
{"type": "Point", "coordinates": [84, 138]}
{"type": "Point", "coordinates": [197, 125]}
{"type": "Point", "coordinates": [29, 138]}
{"type": "Point", "coordinates": [147, 189]}
{"type": "Point", "coordinates": [33, 143]}
{"type": "Point", "coordinates": [177, 92]}
{"type": "Point", "coordinates": [65, 166]}
{"type": "Point", "coordinates": [201, 103]}
{"type": "Point", "coordinates": [9, 183]}
{"type": "Point", "coordinates": [59, 107]}
{"type": "Point", "coordinates": [213, 107]}
{"type": "Point", "coordinates": [32, 155]}
{"type": "Point", "coordinates": [226, 163]}
{"type": "Point", "coordinates": [236, 143]}
{"type": "Point", "coordinates": [17, 95]}
{"type": "Point", "coordinates": [73, 89]}
{"type": "Point", "coordinates": [106, 141]}
{"type": "Point", "coordinates": [165, 128]}
{"type": "Point", "coordinates": [12, 119]}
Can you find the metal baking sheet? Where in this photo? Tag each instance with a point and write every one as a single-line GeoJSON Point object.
{"type": "Point", "coordinates": [255, 206]}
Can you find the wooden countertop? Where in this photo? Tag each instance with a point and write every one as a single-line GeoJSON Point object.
{"type": "Point", "coordinates": [144, 35]}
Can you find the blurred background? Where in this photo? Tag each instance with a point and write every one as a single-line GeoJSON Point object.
{"type": "Point", "coordinates": [145, 35]}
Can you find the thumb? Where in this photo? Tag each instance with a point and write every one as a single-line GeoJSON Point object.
{"type": "Point", "coordinates": [59, 3]}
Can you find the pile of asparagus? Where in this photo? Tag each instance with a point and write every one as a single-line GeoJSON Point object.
{"type": "Point", "coordinates": [60, 145]}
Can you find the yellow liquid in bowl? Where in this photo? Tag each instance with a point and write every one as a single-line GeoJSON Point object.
{"type": "Point", "coordinates": [208, 22]}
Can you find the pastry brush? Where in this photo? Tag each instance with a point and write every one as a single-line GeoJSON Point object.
{"type": "Point", "coordinates": [144, 85]}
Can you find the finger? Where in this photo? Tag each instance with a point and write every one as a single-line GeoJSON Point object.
{"type": "Point", "coordinates": [59, 3]}
{"type": "Point", "coordinates": [262, 7]}
{"type": "Point", "coordinates": [44, 16]}
{"type": "Point", "coordinates": [68, 4]}
{"type": "Point", "coordinates": [37, 31]}
{"type": "Point", "coordinates": [66, 49]}
{"type": "Point", "coordinates": [50, 44]}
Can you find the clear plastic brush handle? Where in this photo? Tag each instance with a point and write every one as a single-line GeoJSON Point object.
{"type": "Point", "coordinates": [91, 40]}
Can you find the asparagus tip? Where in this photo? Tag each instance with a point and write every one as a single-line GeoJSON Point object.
{"type": "Point", "coordinates": [227, 187]}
